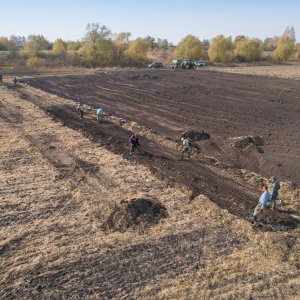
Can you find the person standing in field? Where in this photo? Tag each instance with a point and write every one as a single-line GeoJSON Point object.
{"type": "Point", "coordinates": [15, 81]}
{"type": "Point", "coordinates": [274, 192]}
{"type": "Point", "coordinates": [186, 147]}
{"type": "Point", "coordinates": [262, 206]}
{"type": "Point", "coordinates": [134, 143]}
{"type": "Point", "coordinates": [80, 108]}
{"type": "Point", "coordinates": [100, 115]}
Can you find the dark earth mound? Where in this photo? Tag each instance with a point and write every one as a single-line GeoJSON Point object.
{"type": "Point", "coordinates": [141, 212]}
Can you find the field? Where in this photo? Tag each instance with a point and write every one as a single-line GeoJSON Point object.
{"type": "Point", "coordinates": [82, 219]}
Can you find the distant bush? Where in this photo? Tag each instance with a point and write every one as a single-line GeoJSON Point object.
{"type": "Point", "coordinates": [35, 62]}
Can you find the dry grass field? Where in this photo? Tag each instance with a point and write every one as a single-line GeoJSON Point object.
{"type": "Point", "coordinates": [79, 219]}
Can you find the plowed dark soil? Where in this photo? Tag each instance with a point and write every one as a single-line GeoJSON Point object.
{"type": "Point", "coordinates": [226, 106]}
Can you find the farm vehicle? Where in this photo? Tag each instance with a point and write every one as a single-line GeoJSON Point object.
{"type": "Point", "coordinates": [183, 64]}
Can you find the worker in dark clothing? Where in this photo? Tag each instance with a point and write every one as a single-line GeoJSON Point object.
{"type": "Point", "coordinates": [15, 81]}
{"type": "Point", "coordinates": [274, 191]}
{"type": "Point", "coordinates": [134, 143]}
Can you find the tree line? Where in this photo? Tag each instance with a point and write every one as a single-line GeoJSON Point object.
{"type": "Point", "coordinates": [100, 47]}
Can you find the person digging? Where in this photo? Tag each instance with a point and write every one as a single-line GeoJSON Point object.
{"type": "Point", "coordinates": [134, 143]}
{"type": "Point", "coordinates": [262, 206]}
{"type": "Point", "coordinates": [185, 148]}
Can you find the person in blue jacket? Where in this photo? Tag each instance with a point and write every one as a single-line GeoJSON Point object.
{"type": "Point", "coordinates": [100, 115]}
{"type": "Point", "coordinates": [263, 204]}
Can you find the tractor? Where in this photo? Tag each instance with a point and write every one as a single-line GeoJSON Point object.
{"type": "Point", "coordinates": [183, 64]}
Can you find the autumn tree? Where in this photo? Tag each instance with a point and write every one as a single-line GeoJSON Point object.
{"type": "Point", "coordinates": [270, 43]}
{"type": "Point", "coordinates": [137, 50]}
{"type": "Point", "coordinates": [121, 43]}
{"type": "Point", "coordinates": [73, 46]}
{"type": "Point", "coordinates": [18, 40]}
{"type": "Point", "coordinates": [290, 33]}
{"type": "Point", "coordinates": [221, 49]}
{"type": "Point", "coordinates": [60, 47]}
{"type": "Point", "coordinates": [297, 49]}
{"type": "Point", "coordinates": [248, 49]}
{"type": "Point", "coordinates": [35, 44]}
{"type": "Point", "coordinates": [286, 45]}
{"type": "Point", "coordinates": [151, 41]}
{"type": "Point", "coordinates": [7, 44]}
{"type": "Point", "coordinates": [96, 32]}
{"type": "Point", "coordinates": [97, 48]}
{"type": "Point", "coordinates": [189, 48]}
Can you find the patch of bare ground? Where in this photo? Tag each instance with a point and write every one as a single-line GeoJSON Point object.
{"type": "Point", "coordinates": [59, 186]}
{"type": "Point", "coordinates": [290, 71]}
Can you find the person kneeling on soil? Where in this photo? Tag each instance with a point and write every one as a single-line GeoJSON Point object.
{"type": "Point", "coordinates": [262, 206]}
{"type": "Point", "coordinates": [99, 115]}
{"type": "Point", "coordinates": [134, 143]}
{"type": "Point", "coordinates": [274, 192]}
{"type": "Point", "coordinates": [186, 148]}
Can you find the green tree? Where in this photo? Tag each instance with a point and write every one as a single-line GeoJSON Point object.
{"type": "Point", "coordinates": [221, 49]}
{"type": "Point", "coordinates": [189, 48]}
{"type": "Point", "coordinates": [248, 49]}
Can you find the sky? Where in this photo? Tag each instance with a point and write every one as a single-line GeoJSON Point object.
{"type": "Point", "coordinates": [170, 19]}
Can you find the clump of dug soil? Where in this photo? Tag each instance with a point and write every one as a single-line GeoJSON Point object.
{"type": "Point", "coordinates": [135, 213]}
{"type": "Point", "coordinates": [245, 142]}
{"type": "Point", "coordinates": [196, 135]}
